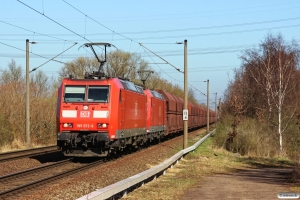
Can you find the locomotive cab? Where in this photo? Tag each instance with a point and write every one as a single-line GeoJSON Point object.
{"type": "Point", "coordinates": [83, 121]}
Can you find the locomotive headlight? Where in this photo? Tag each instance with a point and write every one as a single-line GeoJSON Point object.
{"type": "Point", "coordinates": [68, 125]}
{"type": "Point", "coordinates": [102, 125]}
{"type": "Point", "coordinates": [85, 107]}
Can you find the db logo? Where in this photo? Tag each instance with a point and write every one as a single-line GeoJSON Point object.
{"type": "Point", "coordinates": [85, 114]}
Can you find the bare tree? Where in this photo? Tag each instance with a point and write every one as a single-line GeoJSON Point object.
{"type": "Point", "coordinates": [78, 67]}
{"type": "Point", "coordinates": [39, 85]}
{"type": "Point", "coordinates": [273, 67]}
{"type": "Point", "coordinates": [125, 65]}
{"type": "Point", "coordinates": [13, 77]}
{"type": "Point", "coordinates": [118, 64]}
{"type": "Point", "coordinates": [236, 104]}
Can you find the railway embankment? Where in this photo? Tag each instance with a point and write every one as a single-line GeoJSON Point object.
{"type": "Point", "coordinates": [210, 173]}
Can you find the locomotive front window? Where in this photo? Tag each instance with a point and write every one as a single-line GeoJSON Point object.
{"type": "Point", "coordinates": [98, 94]}
{"type": "Point", "coordinates": [74, 93]}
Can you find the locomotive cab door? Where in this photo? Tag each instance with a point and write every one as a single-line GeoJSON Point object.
{"type": "Point", "coordinates": [122, 110]}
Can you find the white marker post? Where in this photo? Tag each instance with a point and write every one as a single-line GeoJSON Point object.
{"type": "Point", "coordinates": [185, 115]}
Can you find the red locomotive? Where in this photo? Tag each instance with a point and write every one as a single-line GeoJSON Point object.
{"type": "Point", "coordinates": [99, 115]}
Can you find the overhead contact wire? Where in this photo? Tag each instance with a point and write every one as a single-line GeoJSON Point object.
{"type": "Point", "coordinates": [53, 57]}
{"type": "Point", "coordinates": [31, 52]}
{"type": "Point", "coordinates": [163, 70]}
{"type": "Point", "coordinates": [97, 21]}
{"type": "Point", "coordinates": [161, 58]}
{"type": "Point", "coordinates": [53, 20]}
{"type": "Point", "coordinates": [34, 31]}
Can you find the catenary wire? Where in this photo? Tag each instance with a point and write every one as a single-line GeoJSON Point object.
{"type": "Point", "coordinates": [30, 52]}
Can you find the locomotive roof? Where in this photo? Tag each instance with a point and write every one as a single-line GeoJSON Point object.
{"type": "Point", "coordinates": [127, 85]}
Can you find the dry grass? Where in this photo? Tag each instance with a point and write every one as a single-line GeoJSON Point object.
{"type": "Point", "coordinates": [17, 144]}
{"type": "Point", "coordinates": [191, 170]}
{"type": "Point", "coordinates": [187, 173]}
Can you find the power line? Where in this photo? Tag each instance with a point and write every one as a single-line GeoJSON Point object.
{"type": "Point", "coordinates": [163, 70]}
{"type": "Point", "coordinates": [214, 27]}
{"type": "Point", "coordinates": [30, 52]}
{"type": "Point", "coordinates": [33, 31]}
{"type": "Point", "coordinates": [162, 58]}
{"type": "Point", "coordinates": [137, 18]}
{"type": "Point", "coordinates": [197, 89]}
{"type": "Point", "coordinates": [212, 11]}
{"type": "Point", "coordinates": [120, 34]}
{"type": "Point", "coordinates": [53, 58]}
{"type": "Point", "coordinates": [199, 35]}
{"type": "Point", "coordinates": [161, 31]}
{"type": "Point", "coordinates": [99, 22]}
{"type": "Point", "coordinates": [171, 65]}
{"type": "Point", "coordinates": [192, 35]}
{"type": "Point", "coordinates": [67, 56]}
{"type": "Point", "coordinates": [53, 20]}
{"type": "Point", "coordinates": [56, 22]}
{"type": "Point", "coordinates": [215, 33]}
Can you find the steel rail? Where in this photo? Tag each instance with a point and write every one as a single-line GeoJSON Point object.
{"type": "Point", "coordinates": [8, 193]}
{"type": "Point", "coordinates": [35, 169]}
{"type": "Point", "coordinates": [27, 153]}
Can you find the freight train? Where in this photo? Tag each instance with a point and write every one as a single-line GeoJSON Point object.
{"type": "Point", "coordinates": [98, 116]}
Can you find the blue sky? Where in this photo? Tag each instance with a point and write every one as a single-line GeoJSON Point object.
{"type": "Point", "coordinates": [217, 33]}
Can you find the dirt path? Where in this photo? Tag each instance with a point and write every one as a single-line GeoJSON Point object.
{"type": "Point", "coordinates": [264, 183]}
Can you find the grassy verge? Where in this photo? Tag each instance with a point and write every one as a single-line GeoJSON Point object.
{"type": "Point", "coordinates": [19, 145]}
{"type": "Point", "coordinates": [205, 161]}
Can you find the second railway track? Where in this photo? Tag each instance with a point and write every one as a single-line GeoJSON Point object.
{"type": "Point", "coordinates": [15, 184]}
{"type": "Point", "coordinates": [13, 155]}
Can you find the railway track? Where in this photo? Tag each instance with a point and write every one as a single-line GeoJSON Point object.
{"type": "Point", "coordinates": [20, 183]}
{"type": "Point", "coordinates": [13, 155]}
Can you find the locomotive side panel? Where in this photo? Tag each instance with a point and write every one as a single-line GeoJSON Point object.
{"type": "Point", "coordinates": [135, 110]}
{"type": "Point", "coordinates": [156, 118]}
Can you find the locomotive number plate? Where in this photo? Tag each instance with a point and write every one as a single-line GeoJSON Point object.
{"type": "Point", "coordinates": [85, 125]}
{"type": "Point", "coordinates": [84, 113]}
